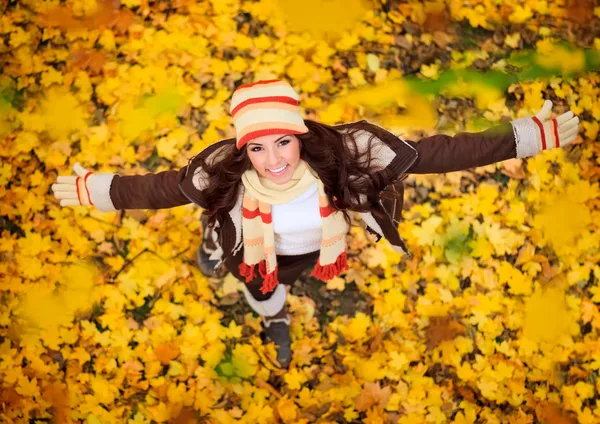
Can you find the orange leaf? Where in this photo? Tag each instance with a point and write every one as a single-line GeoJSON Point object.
{"type": "Point", "coordinates": [442, 329]}
{"type": "Point", "coordinates": [90, 59]}
{"type": "Point", "coordinates": [10, 397]}
{"type": "Point", "coordinates": [185, 416]}
{"type": "Point", "coordinates": [372, 394]}
{"type": "Point", "coordinates": [513, 168]}
{"type": "Point", "coordinates": [108, 14]}
{"type": "Point", "coordinates": [61, 17]}
{"type": "Point", "coordinates": [580, 11]}
{"type": "Point", "coordinates": [591, 172]}
{"type": "Point", "coordinates": [57, 394]}
{"type": "Point", "coordinates": [551, 413]}
{"type": "Point", "coordinates": [166, 352]}
{"type": "Point", "coordinates": [436, 21]}
{"type": "Point", "coordinates": [466, 393]}
{"type": "Point", "coordinates": [122, 20]}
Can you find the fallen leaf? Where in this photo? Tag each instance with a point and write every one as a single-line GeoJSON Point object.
{"type": "Point", "coordinates": [442, 329]}
{"type": "Point", "coordinates": [166, 352]}
{"type": "Point", "coordinates": [580, 11]}
{"type": "Point", "coordinates": [513, 168]}
{"type": "Point", "coordinates": [372, 395]}
{"type": "Point", "coordinates": [551, 413]}
{"type": "Point", "coordinates": [89, 59]}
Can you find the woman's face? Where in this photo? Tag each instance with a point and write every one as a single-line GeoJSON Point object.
{"type": "Point", "coordinates": [275, 156]}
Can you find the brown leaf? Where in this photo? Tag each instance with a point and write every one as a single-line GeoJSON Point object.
{"type": "Point", "coordinates": [442, 329]}
{"type": "Point", "coordinates": [57, 394]}
{"type": "Point", "coordinates": [10, 397]}
{"type": "Point", "coordinates": [520, 417]}
{"type": "Point", "coordinates": [372, 394]}
{"type": "Point", "coordinates": [580, 12]}
{"type": "Point", "coordinates": [89, 59]}
{"type": "Point", "coordinates": [577, 374]}
{"type": "Point", "coordinates": [402, 41]}
{"type": "Point", "coordinates": [591, 172]}
{"type": "Point", "coordinates": [505, 11]}
{"type": "Point", "coordinates": [466, 393]}
{"type": "Point", "coordinates": [166, 352]}
{"type": "Point", "coordinates": [436, 21]}
{"type": "Point", "coordinates": [551, 413]}
{"type": "Point", "coordinates": [61, 17]}
{"type": "Point", "coordinates": [108, 15]}
{"type": "Point", "coordinates": [122, 20]}
{"type": "Point", "coordinates": [377, 334]}
{"type": "Point", "coordinates": [185, 416]}
{"type": "Point", "coordinates": [441, 39]}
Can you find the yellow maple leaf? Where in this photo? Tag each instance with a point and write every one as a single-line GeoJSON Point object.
{"type": "Point", "coordinates": [287, 409]}
{"type": "Point", "coordinates": [563, 217]}
{"type": "Point", "coordinates": [512, 40]}
{"type": "Point", "coordinates": [27, 387]}
{"type": "Point", "coordinates": [520, 14]}
{"type": "Point", "coordinates": [546, 316]}
{"type": "Point", "coordinates": [62, 113]}
{"type": "Point", "coordinates": [431, 71]}
{"type": "Point", "coordinates": [336, 283]}
{"type": "Point", "coordinates": [295, 379]}
{"type": "Point", "coordinates": [426, 233]}
{"type": "Point", "coordinates": [299, 15]}
{"type": "Point", "coordinates": [356, 329]}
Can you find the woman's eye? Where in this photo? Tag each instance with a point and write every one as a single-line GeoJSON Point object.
{"type": "Point", "coordinates": [258, 148]}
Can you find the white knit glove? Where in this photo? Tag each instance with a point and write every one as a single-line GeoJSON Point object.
{"type": "Point", "coordinates": [85, 189]}
{"type": "Point", "coordinates": [556, 132]}
{"type": "Point", "coordinates": [536, 133]}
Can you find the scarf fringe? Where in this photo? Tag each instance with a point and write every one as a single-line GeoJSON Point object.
{"type": "Point", "coordinates": [270, 281]}
{"type": "Point", "coordinates": [327, 272]}
{"type": "Point", "coordinates": [248, 271]}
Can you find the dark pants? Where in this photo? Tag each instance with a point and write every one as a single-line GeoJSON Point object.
{"type": "Point", "coordinates": [289, 269]}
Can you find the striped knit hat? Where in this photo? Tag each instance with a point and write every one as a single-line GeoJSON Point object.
{"type": "Point", "coordinates": [265, 107]}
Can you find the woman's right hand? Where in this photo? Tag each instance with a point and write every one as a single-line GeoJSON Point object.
{"type": "Point", "coordinates": [74, 190]}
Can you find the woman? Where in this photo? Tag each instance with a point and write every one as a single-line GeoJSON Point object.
{"type": "Point", "coordinates": [277, 198]}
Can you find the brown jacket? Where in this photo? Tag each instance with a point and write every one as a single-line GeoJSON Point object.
{"type": "Point", "coordinates": [436, 154]}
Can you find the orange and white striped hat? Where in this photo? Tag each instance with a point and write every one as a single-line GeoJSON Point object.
{"type": "Point", "coordinates": [265, 107]}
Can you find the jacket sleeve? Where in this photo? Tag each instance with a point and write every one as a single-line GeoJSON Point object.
{"type": "Point", "coordinates": [111, 192]}
{"type": "Point", "coordinates": [443, 153]}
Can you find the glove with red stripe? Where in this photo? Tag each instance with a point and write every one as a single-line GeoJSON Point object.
{"type": "Point", "coordinates": [539, 132]}
{"type": "Point", "coordinates": [85, 189]}
{"type": "Point", "coordinates": [555, 132]}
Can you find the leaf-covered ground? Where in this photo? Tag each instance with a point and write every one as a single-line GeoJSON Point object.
{"type": "Point", "coordinates": [104, 317]}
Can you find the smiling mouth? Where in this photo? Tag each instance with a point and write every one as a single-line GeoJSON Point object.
{"type": "Point", "coordinates": [278, 171]}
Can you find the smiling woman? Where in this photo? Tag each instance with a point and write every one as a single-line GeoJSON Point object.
{"type": "Point", "coordinates": [277, 198]}
{"type": "Point", "coordinates": [275, 157]}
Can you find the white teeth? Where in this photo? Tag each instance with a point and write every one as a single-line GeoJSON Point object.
{"type": "Point", "coordinates": [278, 170]}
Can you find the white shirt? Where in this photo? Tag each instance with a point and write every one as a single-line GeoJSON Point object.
{"type": "Point", "coordinates": [297, 224]}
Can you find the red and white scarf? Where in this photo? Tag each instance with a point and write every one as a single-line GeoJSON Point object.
{"type": "Point", "coordinates": [257, 226]}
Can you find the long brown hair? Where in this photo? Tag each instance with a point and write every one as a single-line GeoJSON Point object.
{"type": "Point", "coordinates": [346, 171]}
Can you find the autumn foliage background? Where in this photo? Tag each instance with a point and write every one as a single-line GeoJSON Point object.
{"type": "Point", "coordinates": [105, 318]}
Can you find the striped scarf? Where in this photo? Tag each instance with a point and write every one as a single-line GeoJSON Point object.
{"type": "Point", "coordinates": [257, 226]}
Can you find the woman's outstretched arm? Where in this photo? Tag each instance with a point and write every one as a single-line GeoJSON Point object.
{"type": "Point", "coordinates": [110, 192]}
{"type": "Point", "coordinates": [520, 138]}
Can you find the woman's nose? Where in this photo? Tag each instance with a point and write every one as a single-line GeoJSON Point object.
{"type": "Point", "coordinates": [272, 158]}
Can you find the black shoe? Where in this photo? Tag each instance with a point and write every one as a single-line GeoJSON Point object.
{"type": "Point", "coordinates": [278, 331]}
{"type": "Point", "coordinates": [208, 246]}
{"type": "Point", "coordinates": [207, 266]}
